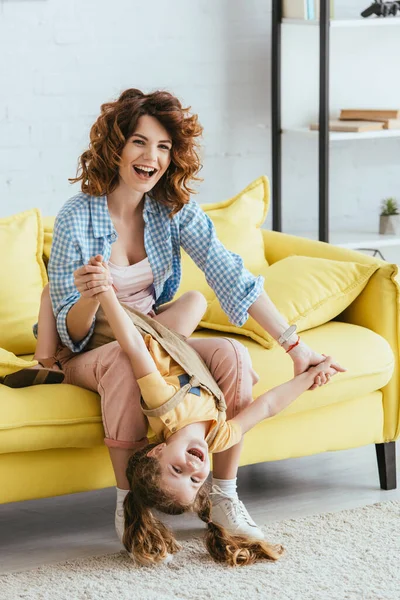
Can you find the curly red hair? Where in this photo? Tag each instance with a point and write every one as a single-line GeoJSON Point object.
{"type": "Point", "coordinates": [98, 169]}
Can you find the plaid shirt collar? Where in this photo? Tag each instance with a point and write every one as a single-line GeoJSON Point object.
{"type": "Point", "coordinates": [100, 217]}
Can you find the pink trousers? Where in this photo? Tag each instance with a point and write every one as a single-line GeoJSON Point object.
{"type": "Point", "coordinates": [107, 370]}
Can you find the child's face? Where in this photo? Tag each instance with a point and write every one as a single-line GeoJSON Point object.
{"type": "Point", "coordinates": [185, 466]}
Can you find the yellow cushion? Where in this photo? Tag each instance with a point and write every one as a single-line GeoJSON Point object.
{"type": "Point", "coordinates": [307, 291]}
{"type": "Point", "coordinates": [49, 416]}
{"type": "Point", "coordinates": [48, 226]}
{"type": "Point", "coordinates": [237, 222]}
{"type": "Point", "coordinates": [9, 363]}
{"type": "Point", "coordinates": [23, 274]}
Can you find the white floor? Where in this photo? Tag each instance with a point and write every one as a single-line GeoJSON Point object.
{"type": "Point", "coordinates": [40, 532]}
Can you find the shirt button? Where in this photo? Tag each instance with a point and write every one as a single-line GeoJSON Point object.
{"type": "Point", "coordinates": [113, 236]}
{"type": "Point", "coordinates": [173, 429]}
{"type": "Point", "coordinates": [167, 421]}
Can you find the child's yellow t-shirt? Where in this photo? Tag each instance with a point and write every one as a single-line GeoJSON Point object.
{"type": "Point", "coordinates": [198, 405]}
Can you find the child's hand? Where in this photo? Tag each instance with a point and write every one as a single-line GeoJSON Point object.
{"type": "Point", "coordinates": [93, 278]}
{"type": "Point", "coordinates": [97, 261]}
{"type": "Point", "coordinates": [322, 373]}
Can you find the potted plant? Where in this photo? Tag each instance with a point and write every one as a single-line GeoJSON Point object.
{"type": "Point", "coordinates": [389, 222]}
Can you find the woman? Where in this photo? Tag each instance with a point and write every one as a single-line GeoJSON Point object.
{"type": "Point", "coordinates": [135, 213]}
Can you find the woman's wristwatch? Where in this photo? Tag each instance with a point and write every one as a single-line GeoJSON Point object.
{"type": "Point", "coordinates": [286, 335]}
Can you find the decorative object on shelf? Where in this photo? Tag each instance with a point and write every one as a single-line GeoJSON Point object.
{"type": "Point", "coordinates": [295, 9]}
{"type": "Point", "coordinates": [382, 9]}
{"type": "Point", "coordinates": [389, 222]}
{"type": "Point", "coordinates": [307, 10]}
{"type": "Point", "coordinates": [350, 126]}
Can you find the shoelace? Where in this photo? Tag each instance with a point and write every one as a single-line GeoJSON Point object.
{"type": "Point", "coordinates": [237, 508]}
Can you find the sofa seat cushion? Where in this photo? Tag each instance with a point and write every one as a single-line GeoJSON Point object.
{"type": "Point", "coordinates": [64, 416]}
{"type": "Point", "coordinates": [367, 357]}
{"type": "Point", "coordinates": [49, 416]}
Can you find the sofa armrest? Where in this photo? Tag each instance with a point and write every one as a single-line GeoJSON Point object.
{"type": "Point", "coordinates": [376, 308]}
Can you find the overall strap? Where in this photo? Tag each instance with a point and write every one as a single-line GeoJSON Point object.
{"type": "Point", "coordinates": [177, 347]}
{"type": "Point", "coordinates": [172, 403]}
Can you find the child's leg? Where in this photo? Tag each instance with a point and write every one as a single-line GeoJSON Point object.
{"type": "Point", "coordinates": [47, 336]}
{"type": "Point", "coordinates": [48, 370]}
{"type": "Point", "coordinates": [183, 315]}
{"type": "Point", "coordinates": [230, 365]}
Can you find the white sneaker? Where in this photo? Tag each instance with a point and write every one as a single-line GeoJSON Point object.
{"type": "Point", "coordinates": [232, 514]}
{"type": "Point", "coordinates": [119, 523]}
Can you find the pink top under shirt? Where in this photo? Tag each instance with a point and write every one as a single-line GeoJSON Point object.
{"type": "Point", "coordinates": [134, 285]}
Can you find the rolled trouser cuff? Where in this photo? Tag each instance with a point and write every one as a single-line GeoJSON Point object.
{"type": "Point", "coordinates": [129, 445]}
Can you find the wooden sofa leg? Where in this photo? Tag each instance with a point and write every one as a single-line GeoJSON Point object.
{"type": "Point", "coordinates": [386, 456]}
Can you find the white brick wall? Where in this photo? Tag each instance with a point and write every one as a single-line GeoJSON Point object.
{"type": "Point", "coordinates": [61, 59]}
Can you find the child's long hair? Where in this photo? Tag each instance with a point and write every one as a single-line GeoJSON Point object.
{"type": "Point", "coordinates": [150, 541]}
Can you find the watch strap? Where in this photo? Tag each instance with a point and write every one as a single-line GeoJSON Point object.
{"type": "Point", "coordinates": [286, 335]}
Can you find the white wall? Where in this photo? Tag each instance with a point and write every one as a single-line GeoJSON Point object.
{"type": "Point", "coordinates": [60, 60]}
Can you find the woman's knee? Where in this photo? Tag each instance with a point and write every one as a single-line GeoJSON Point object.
{"type": "Point", "coordinates": [195, 300]}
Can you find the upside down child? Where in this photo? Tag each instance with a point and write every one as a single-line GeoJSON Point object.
{"type": "Point", "coordinates": [170, 474]}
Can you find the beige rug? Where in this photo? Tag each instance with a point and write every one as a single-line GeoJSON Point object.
{"type": "Point", "coordinates": [349, 555]}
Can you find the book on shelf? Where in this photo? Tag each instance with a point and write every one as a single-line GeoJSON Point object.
{"type": "Point", "coordinates": [351, 126]}
{"type": "Point", "coordinates": [391, 124]}
{"type": "Point", "coordinates": [367, 114]}
{"type": "Point", "coordinates": [295, 9]}
{"type": "Point", "coordinates": [307, 10]}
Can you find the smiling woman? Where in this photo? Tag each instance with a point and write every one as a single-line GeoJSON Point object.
{"type": "Point", "coordinates": [173, 133]}
{"type": "Point", "coordinates": [130, 221]}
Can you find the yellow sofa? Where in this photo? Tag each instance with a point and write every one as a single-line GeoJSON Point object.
{"type": "Point", "coordinates": [51, 437]}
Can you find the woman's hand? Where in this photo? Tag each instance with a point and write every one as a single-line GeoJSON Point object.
{"type": "Point", "coordinates": [93, 278]}
{"type": "Point", "coordinates": [304, 357]}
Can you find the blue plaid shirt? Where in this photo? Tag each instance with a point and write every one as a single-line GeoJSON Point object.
{"type": "Point", "coordinates": [83, 228]}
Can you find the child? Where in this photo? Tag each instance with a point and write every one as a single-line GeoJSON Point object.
{"type": "Point", "coordinates": [170, 475]}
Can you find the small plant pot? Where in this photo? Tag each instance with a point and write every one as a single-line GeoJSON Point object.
{"type": "Point", "coordinates": [389, 225]}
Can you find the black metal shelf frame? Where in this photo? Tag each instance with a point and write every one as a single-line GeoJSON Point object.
{"type": "Point", "coordinates": [323, 138]}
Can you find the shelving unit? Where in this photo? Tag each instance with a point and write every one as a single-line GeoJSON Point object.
{"type": "Point", "coordinates": [369, 22]}
{"type": "Point", "coordinates": [325, 138]}
{"type": "Point", "coordinates": [340, 136]}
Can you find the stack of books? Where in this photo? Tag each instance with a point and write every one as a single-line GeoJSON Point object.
{"type": "Point", "coordinates": [303, 9]}
{"type": "Point", "coordinates": [357, 120]}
